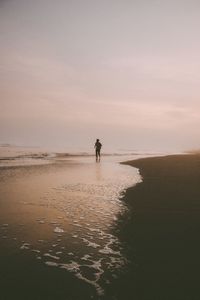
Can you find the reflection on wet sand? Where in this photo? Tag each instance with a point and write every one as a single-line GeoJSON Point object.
{"type": "Point", "coordinates": [63, 214]}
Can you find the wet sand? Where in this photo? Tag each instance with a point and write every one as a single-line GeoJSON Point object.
{"type": "Point", "coordinates": [56, 228]}
{"type": "Point", "coordinates": [28, 219]}
{"type": "Point", "coordinates": [154, 229]}
{"type": "Point", "coordinates": [161, 230]}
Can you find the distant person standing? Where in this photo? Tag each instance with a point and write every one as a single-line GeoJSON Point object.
{"type": "Point", "coordinates": [97, 147]}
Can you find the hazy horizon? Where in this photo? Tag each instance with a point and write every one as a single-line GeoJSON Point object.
{"type": "Point", "coordinates": [126, 72]}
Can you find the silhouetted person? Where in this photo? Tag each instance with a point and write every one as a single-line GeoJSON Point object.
{"type": "Point", "coordinates": [97, 147]}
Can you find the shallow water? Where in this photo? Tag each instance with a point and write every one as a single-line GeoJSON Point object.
{"type": "Point", "coordinates": [63, 213]}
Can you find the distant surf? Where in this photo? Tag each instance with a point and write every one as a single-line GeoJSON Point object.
{"type": "Point", "coordinates": [11, 155]}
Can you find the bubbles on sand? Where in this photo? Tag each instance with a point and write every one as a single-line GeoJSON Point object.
{"type": "Point", "coordinates": [25, 246]}
{"type": "Point", "coordinates": [51, 256]}
{"type": "Point", "coordinates": [90, 244]}
{"type": "Point", "coordinates": [51, 264]}
{"type": "Point", "coordinates": [58, 230]}
{"type": "Point", "coordinates": [41, 221]}
{"type": "Point", "coordinates": [75, 233]}
{"type": "Point", "coordinates": [36, 251]}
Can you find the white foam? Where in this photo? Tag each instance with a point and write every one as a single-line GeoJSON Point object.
{"type": "Point", "coordinates": [58, 230]}
{"type": "Point", "coordinates": [74, 235]}
{"type": "Point", "coordinates": [25, 246]}
{"type": "Point", "coordinates": [51, 264]}
{"type": "Point", "coordinates": [51, 256]}
{"type": "Point", "coordinates": [36, 251]}
{"type": "Point", "coordinates": [98, 288]}
{"type": "Point", "coordinates": [108, 250]}
{"type": "Point", "coordinates": [54, 223]}
{"type": "Point", "coordinates": [71, 267]}
{"type": "Point", "coordinates": [90, 244]}
{"type": "Point", "coordinates": [41, 222]}
{"type": "Point", "coordinates": [86, 257]}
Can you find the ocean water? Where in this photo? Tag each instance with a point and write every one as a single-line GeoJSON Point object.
{"type": "Point", "coordinates": [26, 156]}
{"type": "Point", "coordinates": [63, 212]}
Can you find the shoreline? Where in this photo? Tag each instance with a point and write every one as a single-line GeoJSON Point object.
{"type": "Point", "coordinates": [157, 232]}
{"type": "Point", "coordinates": [56, 223]}
{"type": "Point", "coordinates": [161, 229]}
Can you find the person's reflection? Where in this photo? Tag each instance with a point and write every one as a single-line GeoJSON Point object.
{"type": "Point", "coordinates": [98, 172]}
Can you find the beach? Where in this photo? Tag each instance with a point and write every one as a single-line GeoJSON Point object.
{"type": "Point", "coordinates": [161, 229]}
{"type": "Point", "coordinates": [77, 229]}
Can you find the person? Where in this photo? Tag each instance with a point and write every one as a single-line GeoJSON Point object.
{"type": "Point", "coordinates": [97, 147]}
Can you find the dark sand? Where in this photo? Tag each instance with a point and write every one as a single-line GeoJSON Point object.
{"type": "Point", "coordinates": [161, 230]}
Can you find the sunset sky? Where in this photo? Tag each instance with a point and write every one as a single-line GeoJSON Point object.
{"type": "Point", "coordinates": [127, 72]}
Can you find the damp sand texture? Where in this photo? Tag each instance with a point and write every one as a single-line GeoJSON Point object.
{"type": "Point", "coordinates": [161, 230]}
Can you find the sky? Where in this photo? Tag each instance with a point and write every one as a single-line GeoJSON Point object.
{"type": "Point", "coordinates": [123, 71]}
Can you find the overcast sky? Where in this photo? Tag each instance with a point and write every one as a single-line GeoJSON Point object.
{"type": "Point", "coordinates": [124, 71]}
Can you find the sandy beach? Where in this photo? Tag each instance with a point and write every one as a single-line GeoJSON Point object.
{"type": "Point", "coordinates": [67, 233]}
{"type": "Point", "coordinates": [161, 230]}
